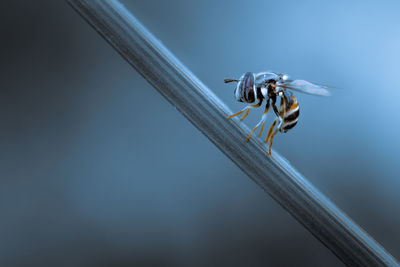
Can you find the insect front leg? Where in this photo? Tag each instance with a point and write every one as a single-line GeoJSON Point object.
{"type": "Point", "coordinates": [261, 123]}
{"type": "Point", "coordinates": [247, 109]}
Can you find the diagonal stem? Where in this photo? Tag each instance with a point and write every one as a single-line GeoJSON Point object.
{"type": "Point", "coordinates": [206, 111]}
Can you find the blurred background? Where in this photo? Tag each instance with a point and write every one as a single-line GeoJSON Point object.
{"type": "Point", "coordinates": [97, 169]}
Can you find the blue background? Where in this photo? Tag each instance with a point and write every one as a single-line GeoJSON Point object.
{"type": "Point", "coordinates": [98, 169]}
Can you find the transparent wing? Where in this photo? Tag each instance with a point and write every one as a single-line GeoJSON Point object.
{"type": "Point", "coordinates": [305, 87]}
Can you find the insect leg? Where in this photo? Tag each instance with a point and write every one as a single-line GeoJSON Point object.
{"type": "Point", "coordinates": [264, 118]}
{"type": "Point", "coordinates": [261, 129]}
{"type": "Point", "coordinates": [262, 122]}
{"type": "Point", "coordinates": [272, 139]}
{"type": "Point", "coordinates": [234, 115]}
{"type": "Point", "coordinates": [245, 114]}
{"type": "Point", "coordinates": [247, 109]}
{"type": "Point", "coordinates": [279, 114]}
{"type": "Point", "coordinates": [270, 131]}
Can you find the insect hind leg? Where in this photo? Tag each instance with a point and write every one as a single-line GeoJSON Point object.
{"type": "Point", "coordinates": [272, 132]}
{"type": "Point", "coordinates": [271, 139]}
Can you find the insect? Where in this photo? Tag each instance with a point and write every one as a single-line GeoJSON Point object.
{"type": "Point", "coordinates": [253, 88]}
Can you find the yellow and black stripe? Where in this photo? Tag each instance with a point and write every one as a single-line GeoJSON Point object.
{"type": "Point", "coordinates": [291, 111]}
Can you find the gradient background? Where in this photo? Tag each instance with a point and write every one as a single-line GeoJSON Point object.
{"type": "Point", "coordinates": [96, 168]}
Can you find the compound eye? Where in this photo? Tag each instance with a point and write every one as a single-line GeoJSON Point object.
{"type": "Point", "coordinates": [248, 81]}
{"type": "Point", "coordinates": [246, 90]}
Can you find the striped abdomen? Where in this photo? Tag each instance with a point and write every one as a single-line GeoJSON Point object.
{"type": "Point", "coordinates": [291, 112]}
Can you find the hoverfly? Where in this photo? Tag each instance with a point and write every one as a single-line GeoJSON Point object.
{"type": "Point", "coordinates": [253, 88]}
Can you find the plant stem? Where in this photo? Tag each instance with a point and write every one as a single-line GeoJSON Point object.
{"type": "Point", "coordinates": [209, 114]}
